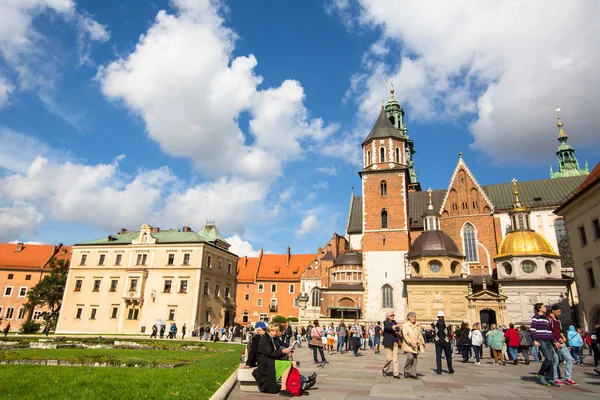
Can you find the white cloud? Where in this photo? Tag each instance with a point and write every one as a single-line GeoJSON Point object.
{"type": "Point", "coordinates": [89, 30]}
{"type": "Point", "coordinates": [241, 247]}
{"type": "Point", "coordinates": [331, 171]}
{"type": "Point", "coordinates": [18, 219]}
{"type": "Point", "coordinates": [17, 151]}
{"type": "Point", "coordinates": [309, 224]}
{"type": "Point", "coordinates": [5, 89]}
{"type": "Point", "coordinates": [185, 84]}
{"type": "Point", "coordinates": [321, 185]}
{"type": "Point", "coordinates": [508, 63]}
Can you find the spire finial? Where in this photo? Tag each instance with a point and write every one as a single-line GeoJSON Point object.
{"type": "Point", "coordinates": [559, 122]}
{"type": "Point", "coordinates": [460, 154]}
{"type": "Point", "coordinates": [392, 89]}
{"type": "Point", "coordinates": [516, 192]}
{"type": "Point", "coordinates": [430, 206]}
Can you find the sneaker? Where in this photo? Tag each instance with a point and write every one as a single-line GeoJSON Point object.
{"type": "Point", "coordinates": [558, 382]}
{"type": "Point", "coordinates": [285, 393]}
{"type": "Point", "coordinates": [570, 382]}
{"type": "Point", "coordinates": [477, 363]}
{"type": "Point", "coordinates": [542, 379]}
{"type": "Point", "coordinates": [553, 384]}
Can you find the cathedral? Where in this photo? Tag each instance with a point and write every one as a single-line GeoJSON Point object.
{"type": "Point", "coordinates": [478, 253]}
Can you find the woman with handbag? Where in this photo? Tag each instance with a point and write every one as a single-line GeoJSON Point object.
{"type": "Point", "coordinates": [391, 342]}
{"type": "Point", "coordinates": [496, 342]}
{"type": "Point", "coordinates": [525, 343]}
{"type": "Point", "coordinates": [412, 344]}
{"type": "Point", "coordinates": [463, 341]}
{"type": "Point", "coordinates": [316, 343]}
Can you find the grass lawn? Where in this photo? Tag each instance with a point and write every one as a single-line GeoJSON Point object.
{"type": "Point", "coordinates": [198, 380]}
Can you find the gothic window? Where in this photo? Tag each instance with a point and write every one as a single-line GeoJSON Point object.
{"type": "Point", "coordinates": [397, 155]}
{"type": "Point", "coordinates": [387, 295]}
{"type": "Point", "coordinates": [384, 219]}
{"type": "Point", "coordinates": [470, 242]}
{"type": "Point", "coordinates": [369, 157]}
{"type": "Point", "coordinates": [382, 154]}
{"type": "Point", "coordinates": [383, 188]}
{"type": "Point", "coordinates": [315, 298]}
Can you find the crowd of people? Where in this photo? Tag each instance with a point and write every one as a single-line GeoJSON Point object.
{"type": "Point", "coordinates": [544, 341]}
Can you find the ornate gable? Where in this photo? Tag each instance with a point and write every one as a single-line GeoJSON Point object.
{"type": "Point", "coordinates": [464, 195]}
{"type": "Point", "coordinates": [486, 294]}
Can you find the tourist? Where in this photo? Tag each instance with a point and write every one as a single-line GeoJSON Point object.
{"type": "Point", "coordinates": [252, 345]}
{"type": "Point", "coordinates": [162, 330]}
{"type": "Point", "coordinates": [495, 340]}
{"type": "Point", "coordinates": [201, 332]}
{"type": "Point", "coordinates": [365, 337]}
{"type": "Point", "coordinates": [173, 331]}
{"type": "Point", "coordinates": [7, 329]}
{"type": "Point", "coordinates": [356, 332]}
{"type": "Point", "coordinates": [299, 333]}
{"type": "Point", "coordinates": [451, 337]}
{"type": "Point", "coordinates": [316, 343]}
{"type": "Point", "coordinates": [443, 343]}
{"type": "Point", "coordinates": [272, 364]}
{"type": "Point", "coordinates": [576, 343]}
{"type": "Point", "coordinates": [595, 338]}
{"type": "Point", "coordinates": [391, 343]}
{"type": "Point", "coordinates": [154, 331]}
{"type": "Point", "coordinates": [476, 338]}
{"type": "Point", "coordinates": [330, 337]}
{"type": "Point", "coordinates": [541, 334]}
{"type": "Point", "coordinates": [525, 343]}
{"type": "Point", "coordinates": [183, 329]}
{"type": "Point", "coordinates": [560, 348]}
{"type": "Point", "coordinates": [342, 332]}
{"type": "Point", "coordinates": [308, 334]}
{"type": "Point", "coordinates": [513, 341]}
{"type": "Point", "coordinates": [288, 334]}
{"type": "Point", "coordinates": [463, 341]}
{"type": "Point", "coordinates": [377, 336]}
{"type": "Point", "coordinates": [371, 337]}
{"type": "Point", "coordinates": [412, 344]}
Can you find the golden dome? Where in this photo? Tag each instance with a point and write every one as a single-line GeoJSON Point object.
{"type": "Point", "coordinates": [525, 243]}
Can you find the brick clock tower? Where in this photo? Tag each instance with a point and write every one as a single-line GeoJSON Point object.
{"type": "Point", "coordinates": [387, 177]}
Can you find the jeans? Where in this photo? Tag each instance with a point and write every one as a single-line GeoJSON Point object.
{"type": "Point", "coordinates": [341, 340]}
{"type": "Point", "coordinates": [447, 349]}
{"type": "Point", "coordinates": [547, 349]}
{"type": "Point", "coordinates": [356, 345]}
{"type": "Point", "coordinates": [564, 352]}
{"type": "Point", "coordinates": [464, 350]}
{"type": "Point", "coordinates": [577, 352]}
{"type": "Point", "coordinates": [320, 348]}
{"type": "Point", "coordinates": [478, 352]}
{"type": "Point", "coordinates": [525, 351]}
{"type": "Point", "coordinates": [514, 352]}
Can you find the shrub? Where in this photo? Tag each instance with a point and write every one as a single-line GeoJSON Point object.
{"type": "Point", "coordinates": [293, 319]}
{"type": "Point", "coordinates": [279, 319]}
{"type": "Point", "coordinates": [30, 327]}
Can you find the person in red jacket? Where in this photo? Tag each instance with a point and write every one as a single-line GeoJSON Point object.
{"type": "Point", "coordinates": [513, 341]}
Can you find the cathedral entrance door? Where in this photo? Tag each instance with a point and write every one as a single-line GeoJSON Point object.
{"type": "Point", "coordinates": [226, 319]}
{"type": "Point", "coordinates": [487, 317]}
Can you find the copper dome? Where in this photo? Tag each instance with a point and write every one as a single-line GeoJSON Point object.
{"type": "Point", "coordinates": [349, 258]}
{"type": "Point", "coordinates": [434, 243]}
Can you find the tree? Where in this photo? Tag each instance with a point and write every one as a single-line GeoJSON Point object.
{"type": "Point", "coordinates": [49, 291]}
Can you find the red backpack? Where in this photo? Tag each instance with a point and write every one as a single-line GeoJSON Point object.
{"type": "Point", "coordinates": [294, 382]}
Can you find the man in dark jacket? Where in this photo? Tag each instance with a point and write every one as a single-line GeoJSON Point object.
{"type": "Point", "coordinates": [288, 334]}
{"type": "Point", "coordinates": [268, 352]}
{"type": "Point", "coordinates": [463, 341]}
{"type": "Point", "coordinates": [252, 347]}
{"type": "Point", "coordinates": [391, 342]}
{"type": "Point", "coordinates": [442, 344]}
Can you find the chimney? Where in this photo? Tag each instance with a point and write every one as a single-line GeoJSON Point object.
{"type": "Point", "coordinates": [19, 247]}
{"type": "Point", "coordinates": [288, 257]}
{"type": "Point", "coordinates": [154, 229]}
{"type": "Point", "coordinates": [260, 254]}
{"type": "Point", "coordinates": [245, 261]}
{"type": "Point", "coordinates": [186, 229]}
{"type": "Point", "coordinates": [122, 231]}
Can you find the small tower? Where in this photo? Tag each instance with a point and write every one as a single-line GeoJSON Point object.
{"type": "Point", "coordinates": [567, 162]}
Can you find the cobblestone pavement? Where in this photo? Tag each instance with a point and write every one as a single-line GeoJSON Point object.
{"type": "Point", "coordinates": [352, 378]}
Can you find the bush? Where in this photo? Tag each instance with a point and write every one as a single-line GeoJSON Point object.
{"type": "Point", "coordinates": [292, 319]}
{"type": "Point", "coordinates": [30, 327]}
{"type": "Point", "coordinates": [279, 319]}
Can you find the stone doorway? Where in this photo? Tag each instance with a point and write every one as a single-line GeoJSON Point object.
{"type": "Point", "coordinates": [227, 318]}
{"type": "Point", "coordinates": [487, 317]}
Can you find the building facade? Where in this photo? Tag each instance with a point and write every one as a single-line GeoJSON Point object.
{"type": "Point", "coordinates": [582, 215]}
{"type": "Point", "coordinates": [268, 285]}
{"type": "Point", "coordinates": [22, 266]}
{"type": "Point", "coordinates": [128, 282]}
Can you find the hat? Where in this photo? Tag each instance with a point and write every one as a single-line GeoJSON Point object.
{"type": "Point", "coordinates": [440, 313]}
{"type": "Point", "coordinates": [260, 325]}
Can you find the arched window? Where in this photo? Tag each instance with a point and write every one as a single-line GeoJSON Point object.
{"type": "Point", "coordinates": [384, 222]}
{"type": "Point", "coordinates": [368, 157]}
{"type": "Point", "coordinates": [383, 188]}
{"type": "Point", "coordinates": [521, 222]}
{"type": "Point", "coordinates": [397, 155]}
{"type": "Point", "coordinates": [315, 298]}
{"type": "Point", "coordinates": [387, 295]}
{"type": "Point", "coordinates": [470, 242]}
{"type": "Point", "coordinates": [382, 154]}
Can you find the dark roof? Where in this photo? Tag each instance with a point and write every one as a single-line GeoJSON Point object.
{"type": "Point", "coordinates": [434, 243]}
{"type": "Point", "coordinates": [349, 258]}
{"type": "Point", "coordinates": [478, 280]}
{"type": "Point", "coordinates": [589, 181]}
{"type": "Point", "coordinates": [355, 219]}
{"type": "Point", "coordinates": [350, 287]}
{"type": "Point", "coordinates": [445, 279]}
{"type": "Point", "coordinates": [539, 193]}
{"type": "Point", "coordinates": [328, 256]}
{"type": "Point", "coordinates": [383, 128]}
{"type": "Point", "coordinates": [417, 205]}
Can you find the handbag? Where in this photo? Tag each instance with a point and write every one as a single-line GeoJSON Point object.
{"type": "Point", "coordinates": [523, 342]}
{"type": "Point", "coordinates": [316, 341]}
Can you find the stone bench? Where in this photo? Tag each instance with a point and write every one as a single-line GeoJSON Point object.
{"type": "Point", "coordinates": [247, 382]}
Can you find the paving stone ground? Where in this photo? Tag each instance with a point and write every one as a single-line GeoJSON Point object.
{"type": "Point", "coordinates": [352, 378]}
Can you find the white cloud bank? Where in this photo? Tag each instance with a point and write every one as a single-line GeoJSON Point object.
{"type": "Point", "coordinates": [507, 63]}
{"type": "Point", "coordinates": [308, 225]}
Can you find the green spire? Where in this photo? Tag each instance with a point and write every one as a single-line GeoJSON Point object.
{"type": "Point", "coordinates": [567, 162]}
{"type": "Point", "coordinates": [395, 113]}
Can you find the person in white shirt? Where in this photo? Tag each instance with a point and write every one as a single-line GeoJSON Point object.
{"type": "Point", "coordinates": [476, 342]}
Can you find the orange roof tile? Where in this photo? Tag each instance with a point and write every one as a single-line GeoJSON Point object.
{"type": "Point", "coordinates": [246, 270]}
{"type": "Point", "coordinates": [31, 256]}
{"type": "Point", "coordinates": [273, 267]}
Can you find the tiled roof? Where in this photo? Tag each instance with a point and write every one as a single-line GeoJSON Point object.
{"type": "Point", "coordinates": [355, 220]}
{"type": "Point", "coordinates": [590, 180]}
{"type": "Point", "coordinates": [383, 128]}
{"type": "Point", "coordinates": [166, 236]}
{"type": "Point", "coordinates": [273, 267]}
{"type": "Point", "coordinates": [32, 256]}
{"type": "Point", "coordinates": [350, 287]}
{"type": "Point", "coordinates": [537, 193]}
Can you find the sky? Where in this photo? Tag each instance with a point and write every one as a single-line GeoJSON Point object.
{"type": "Point", "coordinates": [251, 114]}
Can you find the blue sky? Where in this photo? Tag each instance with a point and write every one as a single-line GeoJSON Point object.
{"type": "Point", "coordinates": [114, 114]}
